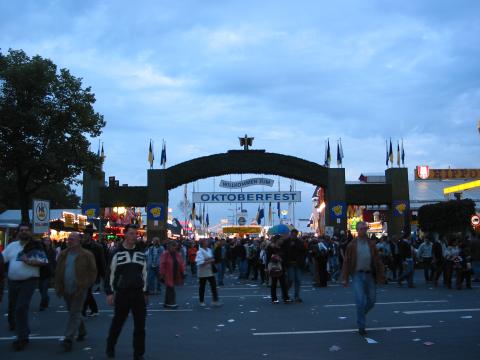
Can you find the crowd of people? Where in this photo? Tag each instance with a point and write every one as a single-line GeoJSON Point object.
{"type": "Point", "coordinates": [132, 269]}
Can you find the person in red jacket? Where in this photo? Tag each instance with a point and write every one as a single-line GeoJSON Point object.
{"type": "Point", "coordinates": [172, 270]}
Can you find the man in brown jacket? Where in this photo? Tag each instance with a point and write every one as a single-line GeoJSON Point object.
{"type": "Point", "coordinates": [76, 272]}
{"type": "Point", "coordinates": [364, 265]}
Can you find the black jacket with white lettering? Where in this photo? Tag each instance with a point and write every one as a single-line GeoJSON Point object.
{"type": "Point", "coordinates": [127, 271]}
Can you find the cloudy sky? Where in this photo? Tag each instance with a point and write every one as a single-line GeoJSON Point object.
{"type": "Point", "coordinates": [201, 73]}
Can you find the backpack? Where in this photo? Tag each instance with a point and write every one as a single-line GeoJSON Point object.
{"type": "Point", "coordinates": [275, 267]}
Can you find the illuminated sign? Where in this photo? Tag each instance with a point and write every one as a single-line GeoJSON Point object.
{"type": "Point", "coordinates": [246, 197]}
{"type": "Point", "coordinates": [426, 173]}
{"type": "Point", "coordinates": [423, 172]}
{"type": "Point", "coordinates": [241, 229]}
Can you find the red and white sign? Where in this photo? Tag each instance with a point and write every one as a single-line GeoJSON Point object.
{"type": "Point", "coordinates": [475, 220]}
{"type": "Point", "coordinates": [423, 172]}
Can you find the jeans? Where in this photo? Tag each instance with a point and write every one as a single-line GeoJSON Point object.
{"type": "Point", "coordinates": [220, 272]}
{"type": "Point", "coordinates": [153, 281]}
{"type": "Point", "coordinates": [476, 269]}
{"type": "Point", "coordinates": [283, 285]}
{"type": "Point", "coordinates": [19, 297]}
{"type": "Point", "coordinates": [365, 295]}
{"type": "Point", "coordinates": [126, 301]}
{"type": "Point", "coordinates": [427, 268]}
{"type": "Point", "coordinates": [213, 288]}
{"type": "Point", "coordinates": [90, 302]}
{"type": "Point", "coordinates": [333, 267]}
{"type": "Point", "coordinates": [294, 276]}
{"type": "Point", "coordinates": [408, 274]}
{"type": "Point", "coordinates": [75, 322]}
{"type": "Point", "coordinates": [243, 268]}
{"type": "Point", "coordinates": [43, 286]}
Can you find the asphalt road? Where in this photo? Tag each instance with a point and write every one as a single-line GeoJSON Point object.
{"type": "Point", "coordinates": [420, 323]}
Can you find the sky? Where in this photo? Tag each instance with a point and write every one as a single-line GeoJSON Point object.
{"type": "Point", "coordinates": [199, 74]}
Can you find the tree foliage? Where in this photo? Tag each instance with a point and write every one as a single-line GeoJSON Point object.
{"type": "Point", "coordinates": [46, 117]}
{"type": "Point", "coordinates": [446, 217]}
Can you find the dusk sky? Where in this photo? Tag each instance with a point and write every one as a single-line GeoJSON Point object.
{"type": "Point", "coordinates": [199, 74]}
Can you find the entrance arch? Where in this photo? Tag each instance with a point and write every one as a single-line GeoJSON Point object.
{"type": "Point", "coordinates": [338, 193]}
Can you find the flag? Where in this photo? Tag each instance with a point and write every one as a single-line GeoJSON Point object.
{"type": "Point", "coordinates": [398, 153]}
{"type": "Point", "coordinates": [261, 215]}
{"type": "Point", "coordinates": [207, 221]}
{"type": "Point", "coordinates": [193, 215]}
{"type": "Point", "coordinates": [390, 153]}
{"type": "Point", "coordinates": [386, 152]}
{"type": "Point", "coordinates": [403, 155]}
{"type": "Point", "coordinates": [150, 155]}
{"type": "Point", "coordinates": [339, 159]}
{"type": "Point", "coordinates": [102, 153]}
{"type": "Point", "coordinates": [203, 215]}
{"type": "Point", "coordinates": [278, 209]}
{"type": "Point", "coordinates": [163, 156]}
{"type": "Point", "coordinates": [270, 213]}
{"type": "Point", "coordinates": [341, 152]}
{"type": "Point", "coordinates": [328, 157]}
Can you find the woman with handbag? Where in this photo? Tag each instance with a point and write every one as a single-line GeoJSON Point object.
{"type": "Point", "coordinates": [205, 270]}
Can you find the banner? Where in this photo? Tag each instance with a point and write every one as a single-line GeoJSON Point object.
{"type": "Point", "coordinates": [338, 209]}
{"type": "Point", "coordinates": [41, 216]}
{"type": "Point", "coordinates": [400, 207]}
{"type": "Point", "coordinates": [245, 183]}
{"type": "Point", "coordinates": [156, 212]}
{"type": "Point", "coordinates": [246, 197]}
{"type": "Point", "coordinates": [92, 211]}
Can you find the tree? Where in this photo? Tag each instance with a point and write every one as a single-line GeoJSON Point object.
{"type": "Point", "coordinates": [447, 216]}
{"type": "Point", "coordinates": [45, 119]}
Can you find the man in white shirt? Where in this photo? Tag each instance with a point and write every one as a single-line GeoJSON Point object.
{"type": "Point", "coordinates": [24, 257]}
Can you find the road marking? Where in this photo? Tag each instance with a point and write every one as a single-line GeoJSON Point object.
{"type": "Point", "coordinates": [438, 311]}
{"type": "Point", "coordinates": [393, 303]}
{"type": "Point", "coordinates": [233, 296]}
{"type": "Point", "coordinates": [341, 330]}
{"type": "Point", "coordinates": [148, 310]}
{"type": "Point", "coordinates": [33, 338]}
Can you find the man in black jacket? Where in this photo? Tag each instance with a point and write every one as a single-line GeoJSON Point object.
{"type": "Point", "coordinates": [295, 252]}
{"type": "Point", "coordinates": [126, 289]}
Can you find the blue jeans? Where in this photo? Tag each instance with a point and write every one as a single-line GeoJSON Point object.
{"type": "Point", "coordinates": [43, 285]}
{"type": "Point", "coordinates": [294, 276]}
{"type": "Point", "coordinates": [220, 272]}
{"type": "Point", "coordinates": [19, 297]}
{"type": "Point", "coordinates": [365, 295]}
{"type": "Point", "coordinates": [153, 282]}
{"type": "Point", "coordinates": [333, 266]}
{"type": "Point", "coordinates": [242, 268]}
{"type": "Point", "coordinates": [476, 269]}
{"type": "Point", "coordinates": [408, 274]}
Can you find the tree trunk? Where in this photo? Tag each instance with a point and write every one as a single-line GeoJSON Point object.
{"type": "Point", "coordinates": [25, 203]}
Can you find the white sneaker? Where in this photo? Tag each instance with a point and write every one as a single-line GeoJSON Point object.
{"type": "Point", "coordinates": [202, 304]}
{"type": "Point", "coordinates": [217, 303]}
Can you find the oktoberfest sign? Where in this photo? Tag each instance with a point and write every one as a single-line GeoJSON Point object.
{"type": "Point", "coordinates": [41, 216]}
{"type": "Point", "coordinates": [245, 183]}
{"type": "Point", "coordinates": [246, 197]}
